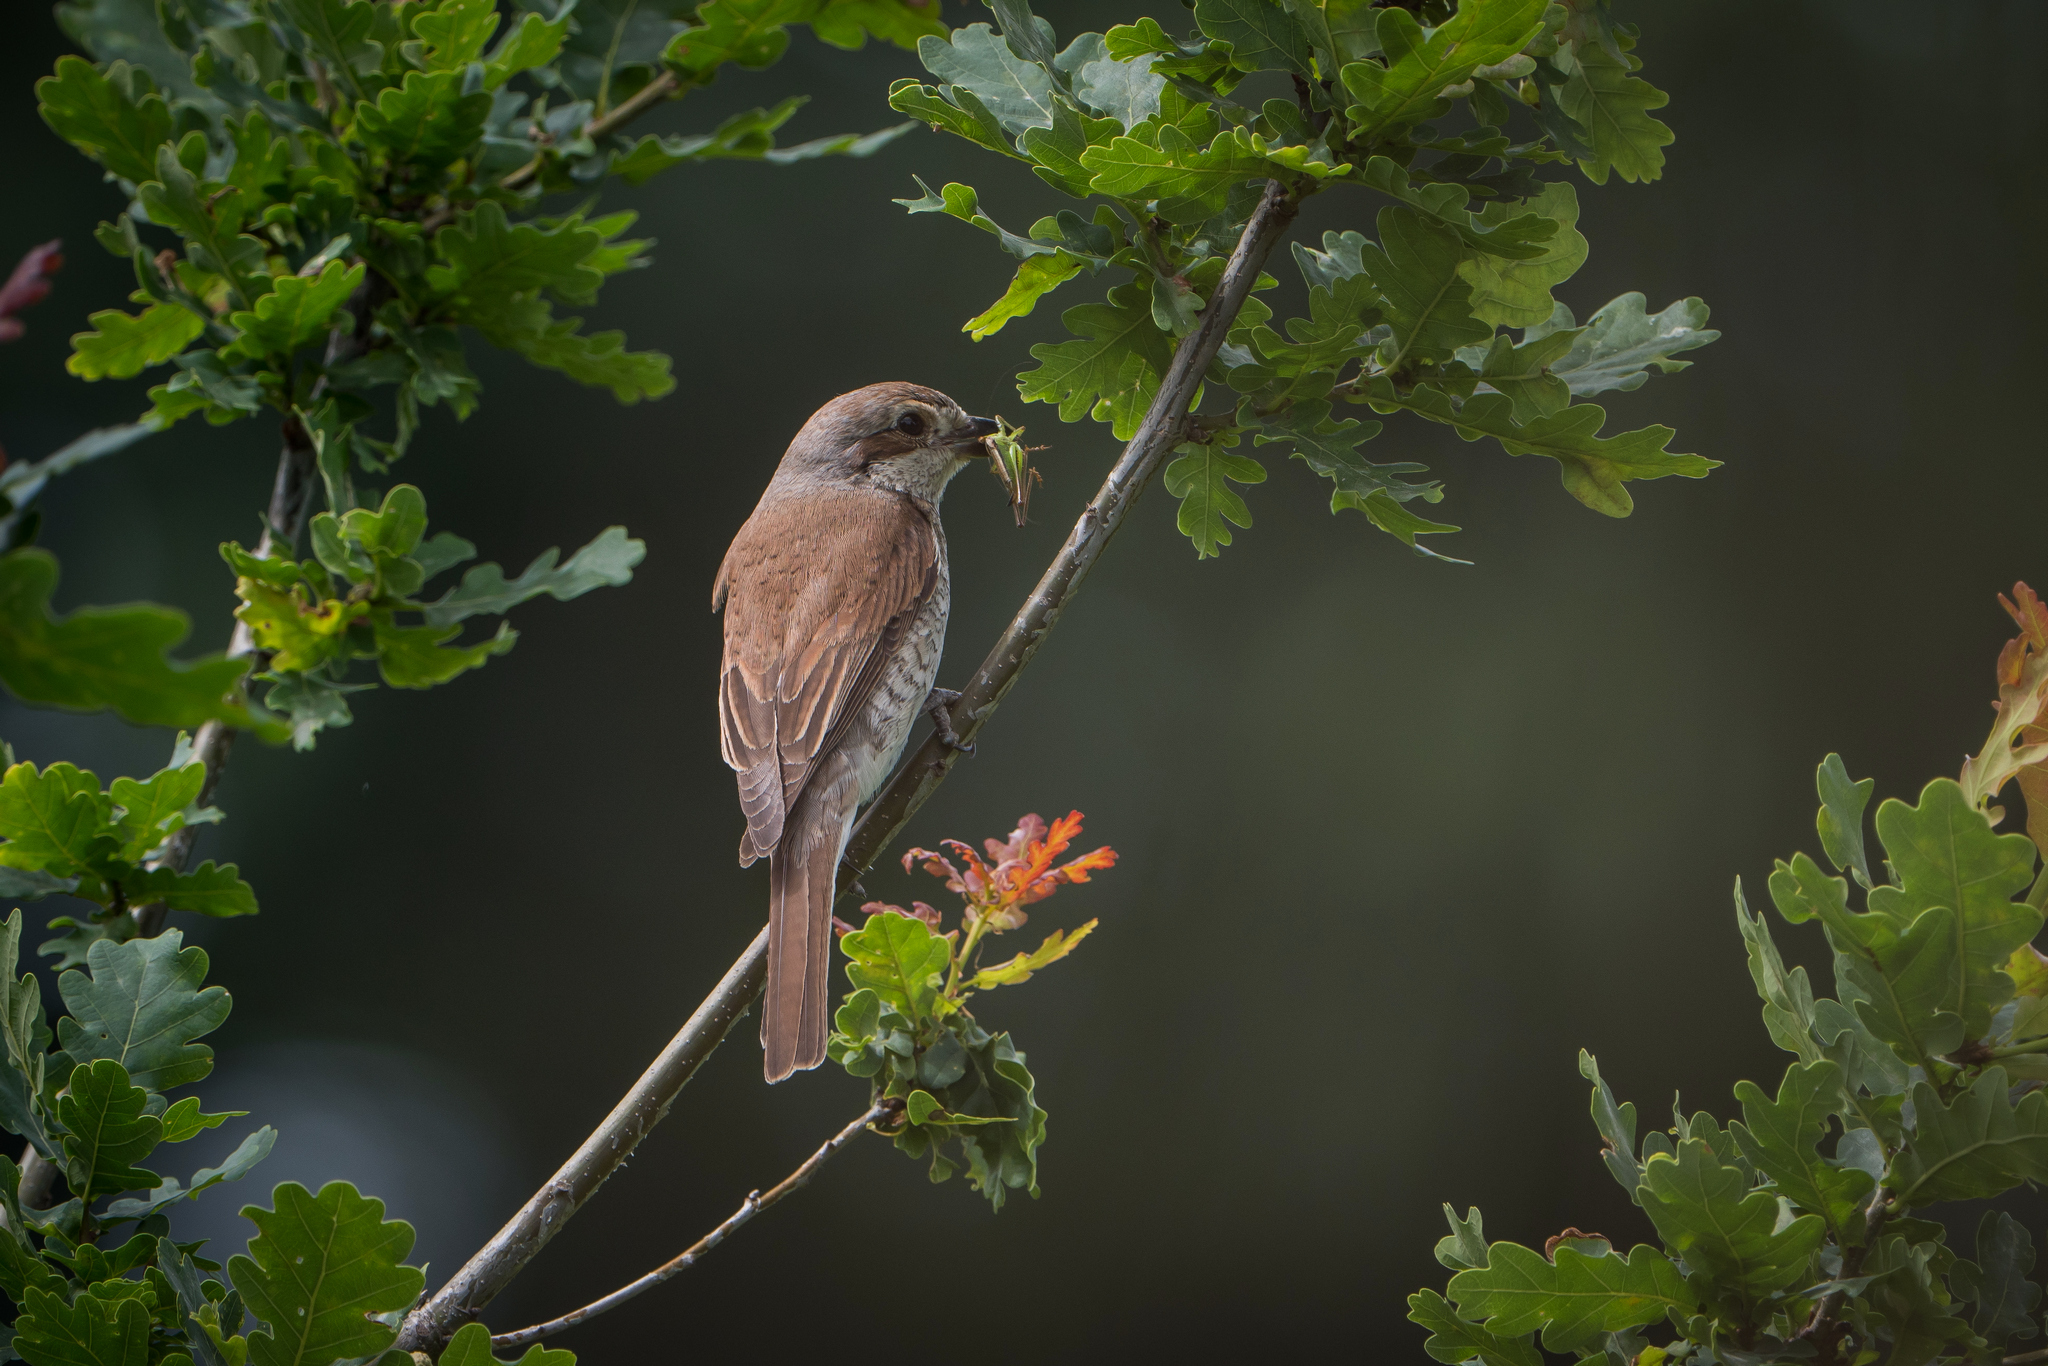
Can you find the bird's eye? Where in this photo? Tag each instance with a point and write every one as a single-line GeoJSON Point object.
{"type": "Point", "coordinates": [911, 424]}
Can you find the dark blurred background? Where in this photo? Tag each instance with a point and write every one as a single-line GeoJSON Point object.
{"type": "Point", "coordinates": [1398, 837]}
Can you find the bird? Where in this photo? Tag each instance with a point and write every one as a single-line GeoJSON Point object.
{"type": "Point", "coordinates": [835, 594]}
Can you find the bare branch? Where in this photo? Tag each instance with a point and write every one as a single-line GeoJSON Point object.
{"type": "Point", "coordinates": [751, 1206]}
{"type": "Point", "coordinates": [1165, 425]}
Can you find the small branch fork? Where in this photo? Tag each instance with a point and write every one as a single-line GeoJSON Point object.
{"type": "Point", "coordinates": [1166, 424]}
{"type": "Point", "coordinates": [751, 1206]}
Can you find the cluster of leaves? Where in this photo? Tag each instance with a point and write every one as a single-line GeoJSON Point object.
{"type": "Point", "coordinates": [1800, 1232]}
{"type": "Point", "coordinates": [906, 1024]}
{"type": "Point", "coordinates": [322, 197]}
{"type": "Point", "coordinates": [63, 834]}
{"type": "Point", "coordinates": [312, 618]}
{"type": "Point", "coordinates": [1447, 123]}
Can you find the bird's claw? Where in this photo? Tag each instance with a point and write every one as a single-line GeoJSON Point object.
{"type": "Point", "coordinates": [938, 706]}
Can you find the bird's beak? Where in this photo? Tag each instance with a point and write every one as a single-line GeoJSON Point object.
{"type": "Point", "coordinates": [977, 429]}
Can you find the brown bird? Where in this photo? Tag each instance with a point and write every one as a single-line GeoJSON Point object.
{"type": "Point", "coordinates": [835, 595]}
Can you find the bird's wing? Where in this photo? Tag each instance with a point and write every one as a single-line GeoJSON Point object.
{"type": "Point", "coordinates": [817, 594]}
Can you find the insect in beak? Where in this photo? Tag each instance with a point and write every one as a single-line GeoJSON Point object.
{"type": "Point", "coordinates": [1009, 459]}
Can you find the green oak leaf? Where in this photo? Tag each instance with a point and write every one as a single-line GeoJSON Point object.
{"type": "Point", "coordinates": [297, 312]}
{"type": "Point", "coordinates": [951, 109]}
{"type": "Point", "coordinates": [338, 32]}
{"type": "Point", "coordinates": [534, 41]}
{"type": "Point", "coordinates": [1188, 177]}
{"type": "Point", "coordinates": [317, 1268]}
{"type": "Point", "coordinates": [745, 33]}
{"type": "Point", "coordinates": [27, 1033]}
{"type": "Point", "coordinates": [1616, 1122]}
{"type": "Point", "coordinates": [962, 202]}
{"type": "Point", "coordinates": [1945, 854]}
{"type": "Point", "coordinates": [1780, 1138]}
{"type": "Point", "coordinates": [90, 1331]}
{"type": "Point", "coordinates": [1573, 1299]}
{"type": "Point", "coordinates": [1036, 277]}
{"type": "Point", "coordinates": [211, 224]}
{"type": "Point", "coordinates": [606, 562]}
{"type": "Point", "coordinates": [1516, 293]}
{"type": "Point", "coordinates": [1908, 1294]}
{"type": "Point", "coordinates": [847, 23]}
{"type": "Point", "coordinates": [483, 258]}
{"type": "Point", "coordinates": [99, 658]}
{"type": "Point", "coordinates": [1466, 1245]}
{"type": "Point", "coordinates": [1418, 66]}
{"type": "Point", "coordinates": [143, 1008]}
{"type": "Point", "coordinates": [1522, 372]}
{"type": "Point", "coordinates": [1620, 343]}
{"type": "Point", "coordinates": [1593, 468]}
{"type": "Point", "coordinates": [899, 959]}
{"type": "Point", "coordinates": [420, 656]}
{"type": "Point", "coordinates": [237, 1165]}
{"type": "Point", "coordinates": [1455, 1341]}
{"type": "Point", "coordinates": [117, 119]}
{"type": "Point", "coordinates": [106, 1130]}
{"type": "Point", "coordinates": [56, 821]}
{"type": "Point", "coordinates": [208, 890]}
{"type": "Point", "coordinates": [1976, 1146]}
{"type": "Point", "coordinates": [1084, 377]}
{"type": "Point", "coordinates": [1060, 152]}
{"type": "Point", "coordinates": [1727, 1233]}
{"type": "Point", "coordinates": [1201, 478]}
{"type": "Point", "coordinates": [471, 1346]}
{"type": "Point", "coordinates": [1523, 236]}
{"type": "Point", "coordinates": [455, 32]}
{"type": "Point", "coordinates": [1415, 267]}
{"type": "Point", "coordinates": [122, 345]}
{"type": "Point", "coordinates": [1840, 820]}
{"type": "Point", "coordinates": [1789, 1012]}
{"type": "Point", "coordinates": [1127, 91]}
{"type": "Point", "coordinates": [1016, 92]}
{"type": "Point", "coordinates": [2005, 1295]}
{"type": "Point", "coordinates": [1900, 979]}
{"type": "Point", "coordinates": [1614, 107]}
{"type": "Point", "coordinates": [1397, 520]}
{"type": "Point", "coordinates": [599, 359]}
{"type": "Point", "coordinates": [1262, 36]}
{"type": "Point", "coordinates": [154, 809]}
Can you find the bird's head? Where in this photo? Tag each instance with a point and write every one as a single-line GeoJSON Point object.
{"type": "Point", "coordinates": [896, 436]}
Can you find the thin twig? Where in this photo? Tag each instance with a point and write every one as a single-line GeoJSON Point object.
{"type": "Point", "coordinates": [751, 1206]}
{"type": "Point", "coordinates": [501, 1259]}
{"type": "Point", "coordinates": [2027, 1358]}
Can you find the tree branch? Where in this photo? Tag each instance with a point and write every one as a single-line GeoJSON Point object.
{"type": "Point", "coordinates": [751, 1206]}
{"type": "Point", "coordinates": [493, 1267]}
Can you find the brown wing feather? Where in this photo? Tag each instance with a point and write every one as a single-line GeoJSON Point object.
{"type": "Point", "coordinates": [814, 592]}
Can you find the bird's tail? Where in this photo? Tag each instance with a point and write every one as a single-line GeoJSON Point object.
{"type": "Point", "coordinates": [794, 1013]}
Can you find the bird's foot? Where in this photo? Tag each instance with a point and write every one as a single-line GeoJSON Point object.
{"type": "Point", "coordinates": [937, 705]}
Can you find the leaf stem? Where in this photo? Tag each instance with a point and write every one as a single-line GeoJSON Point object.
{"type": "Point", "coordinates": [751, 1206]}
{"type": "Point", "coordinates": [2014, 1050]}
{"type": "Point", "coordinates": [612, 1142]}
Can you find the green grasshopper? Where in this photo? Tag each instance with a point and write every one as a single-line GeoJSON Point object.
{"type": "Point", "coordinates": [1009, 458]}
